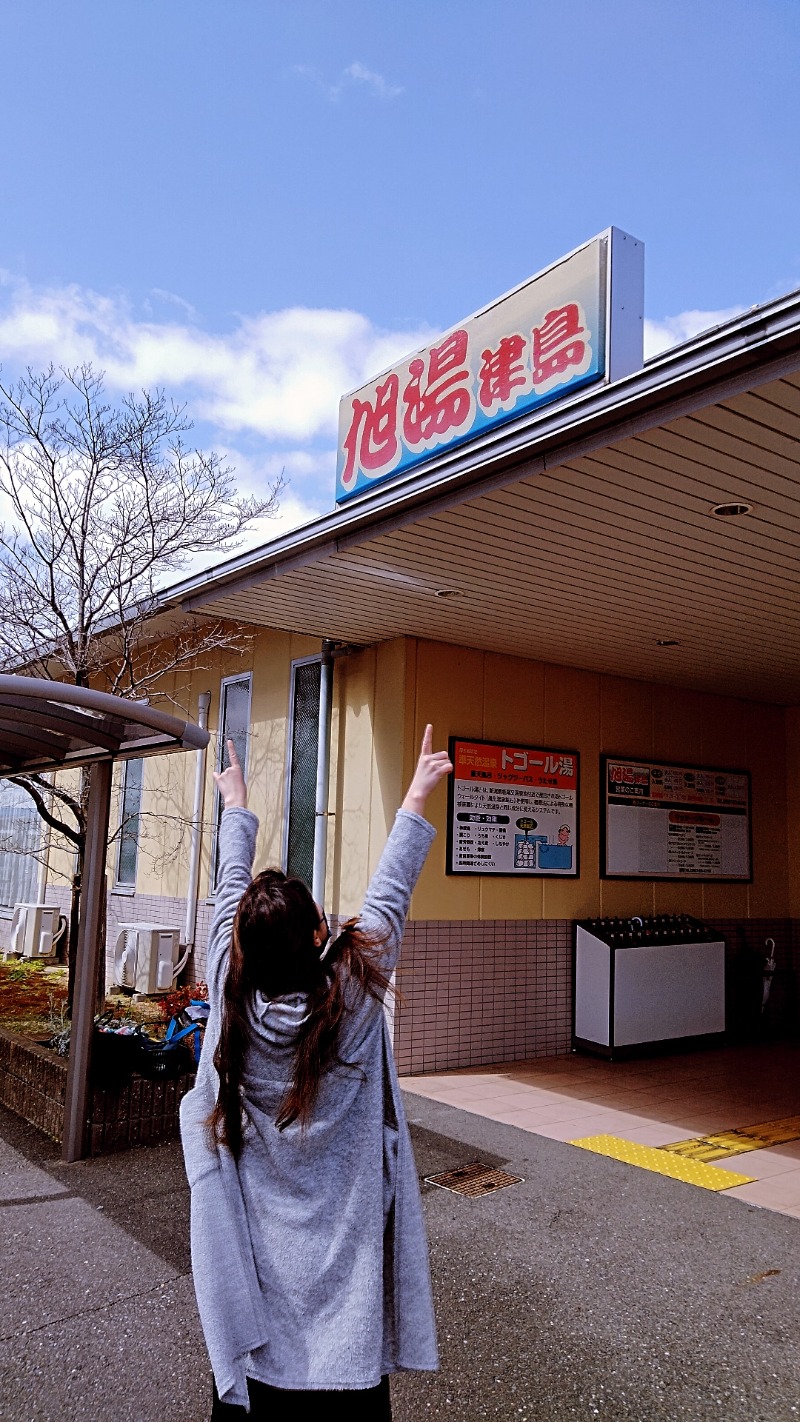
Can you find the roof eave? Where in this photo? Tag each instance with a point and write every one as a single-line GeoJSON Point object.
{"type": "Point", "coordinates": [715, 365]}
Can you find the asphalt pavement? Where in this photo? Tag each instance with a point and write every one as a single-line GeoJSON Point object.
{"type": "Point", "coordinates": [590, 1290]}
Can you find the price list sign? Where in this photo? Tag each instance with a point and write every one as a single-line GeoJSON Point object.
{"type": "Point", "coordinates": [512, 810]}
{"type": "Point", "coordinates": [676, 822]}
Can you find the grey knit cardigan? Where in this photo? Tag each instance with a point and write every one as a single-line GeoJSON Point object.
{"type": "Point", "coordinates": [309, 1255]}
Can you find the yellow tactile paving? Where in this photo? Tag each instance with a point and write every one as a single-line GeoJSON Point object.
{"type": "Point", "coordinates": [720, 1145]}
{"type": "Point", "coordinates": [692, 1172]}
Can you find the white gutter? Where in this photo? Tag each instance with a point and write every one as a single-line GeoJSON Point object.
{"type": "Point", "coordinates": [203, 703]}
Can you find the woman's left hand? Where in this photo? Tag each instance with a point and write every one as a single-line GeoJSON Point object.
{"type": "Point", "coordinates": [231, 782]}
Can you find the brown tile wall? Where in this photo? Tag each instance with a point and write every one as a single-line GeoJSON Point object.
{"type": "Point", "coordinates": [33, 1084]}
{"type": "Point", "coordinates": [473, 993]}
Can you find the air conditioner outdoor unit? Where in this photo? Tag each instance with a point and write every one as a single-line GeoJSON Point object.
{"type": "Point", "coordinates": [146, 957]}
{"type": "Point", "coordinates": [33, 927]}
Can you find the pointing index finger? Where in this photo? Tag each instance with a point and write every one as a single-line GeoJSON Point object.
{"type": "Point", "coordinates": [427, 740]}
{"type": "Point", "coordinates": [234, 759]}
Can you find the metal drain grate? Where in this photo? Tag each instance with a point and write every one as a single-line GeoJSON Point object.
{"type": "Point", "coordinates": [473, 1180]}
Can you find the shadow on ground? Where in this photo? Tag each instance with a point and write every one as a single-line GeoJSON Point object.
{"type": "Point", "coordinates": [591, 1289]}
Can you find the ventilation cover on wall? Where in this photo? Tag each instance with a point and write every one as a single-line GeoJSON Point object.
{"type": "Point", "coordinates": [33, 927]}
{"type": "Point", "coordinates": [146, 957]}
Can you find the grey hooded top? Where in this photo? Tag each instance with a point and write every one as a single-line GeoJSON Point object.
{"type": "Point", "coordinates": [309, 1255]}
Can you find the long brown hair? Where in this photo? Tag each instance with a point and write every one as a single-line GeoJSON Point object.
{"type": "Point", "coordinates": [273, 950]}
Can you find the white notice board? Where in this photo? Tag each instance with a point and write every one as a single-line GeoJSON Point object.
{"type": "Point", "coordinates": [686, 822]}
{"type": "Point", "coordinates": [512, 810]}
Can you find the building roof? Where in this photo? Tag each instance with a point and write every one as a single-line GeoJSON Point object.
{"type": "Point", "coordinates": [581, 534]}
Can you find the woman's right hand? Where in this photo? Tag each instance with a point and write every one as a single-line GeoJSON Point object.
{"type": "Point", "coordinates": [432, 767]}
{"type": "Point", "coordinates": [231, 783]}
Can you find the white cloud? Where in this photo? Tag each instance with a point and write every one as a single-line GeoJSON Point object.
{"type": "Point", "coordinates": [172, 300]}
{"type": "Point", "coordinates": [672, 330]}
{"type": "Point", "coordinates": [265, 393]}
{"type": "Point", "coordinates": [374, 82]}
{"type": "Point", "coordinates": [276, 374]}
{"type": "Point", "coordinates": [355, 73]}
{"type": "Point", "coordinates": [308, 477]}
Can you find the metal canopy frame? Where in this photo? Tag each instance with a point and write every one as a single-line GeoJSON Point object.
{"type": "Point", "coordinates": [50, 726]}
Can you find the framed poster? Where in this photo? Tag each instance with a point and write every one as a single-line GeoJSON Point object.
{"type": "Point", "coordinates": [512, 810]}
{"type": "Point", "coordinates": [682, 822]}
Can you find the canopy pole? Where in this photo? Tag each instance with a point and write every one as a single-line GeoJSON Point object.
{"type": "Point", "coordinates": [75, 1142]}
{"type": "Point", "coordinates": [323, 773]}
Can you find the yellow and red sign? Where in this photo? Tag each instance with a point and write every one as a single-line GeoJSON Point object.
{"type": "Point", "coordinates": [512, 809]}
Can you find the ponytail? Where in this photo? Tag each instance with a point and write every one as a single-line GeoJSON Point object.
{"type": "Point", "coordinates": [356, 958]}
{"type": "Point", "coordinates": [273, 950]}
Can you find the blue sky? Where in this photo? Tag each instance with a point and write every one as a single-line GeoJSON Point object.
{"type": "Point", "coordinates": [258, 205]}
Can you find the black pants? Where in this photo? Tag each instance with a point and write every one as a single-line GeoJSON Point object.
{"type": "Point", "coordinates": [274, 1404]}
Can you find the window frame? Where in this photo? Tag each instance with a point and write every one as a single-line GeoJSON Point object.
{"type": "Point", "coordinates": [218, 756]}
{"type": "Point", "coordinates": [287, 779]}
{"type": "Point", "coordinates": [120, 887]}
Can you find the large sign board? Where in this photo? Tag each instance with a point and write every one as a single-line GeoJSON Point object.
{"type": "Point", "coordinates": [512, 810]}
{"type": "Point", "coordinates": [663, 821]}
{"type": "Point", "coordinates": [580, 320]}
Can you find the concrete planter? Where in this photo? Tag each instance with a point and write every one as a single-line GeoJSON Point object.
{"type": "Point", "coordinates": [33, 1084]}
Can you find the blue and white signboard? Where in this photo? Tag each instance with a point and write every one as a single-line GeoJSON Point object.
{"type": "Point", "coordinates": [578, 322]}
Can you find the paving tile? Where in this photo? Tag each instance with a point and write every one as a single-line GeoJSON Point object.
{"type": "Point", "coordinates": [774, 1193]}
{"type": "Point", "coordinates": [543, 1114]}
{"type": "Point", "coordinates": [764, 1164]}
{"type": "Point", "coordinates": [28, 1183]}
{"type": "Point", "coordinates": [657, 1134]}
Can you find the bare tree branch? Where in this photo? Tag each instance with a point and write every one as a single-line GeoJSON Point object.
{"type": "Point", "coordinates": [105, 502]}
{"type": "Point", "coordinates": [74, 835]}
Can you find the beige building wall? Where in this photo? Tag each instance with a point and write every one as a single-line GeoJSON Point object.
{"type": "Point", "coordinates": [384, 694]}
{"type": "Point", "coordinates": [169, 780]}
{"type": "Point", "coordinates": [367, 769]}
{"type": "Point", "coordinates": [482, 694]}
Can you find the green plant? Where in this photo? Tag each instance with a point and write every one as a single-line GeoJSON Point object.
{"type": "Point", "coordinates": [20, 971]}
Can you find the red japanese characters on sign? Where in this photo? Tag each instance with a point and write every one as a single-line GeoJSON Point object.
{"type": "Point", "coordinates": [371, 443]}
{"type": "Point", "coordinates": [435, 400]}
{"type": "Point", "coordinates": [514, 764]}
{"type": "Point", "coordinates": [628, 775]}
{"type": "Point", "coordinates": [503, 374]}
{"type": "Point", "coordinates": [561, 347]}
{"type": "Point", "coordinates": [564, 328]}
{"type": "Point", "coordinates": [445, 404]}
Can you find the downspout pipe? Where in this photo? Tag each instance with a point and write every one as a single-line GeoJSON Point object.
{"type": "Point", "coordinates": [323, 772]}
{"type": "Point", "coordinates": [203, 704]}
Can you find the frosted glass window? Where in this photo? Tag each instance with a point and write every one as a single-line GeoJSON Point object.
{"type": "Point", "coordinates": [130, 822]}
{"type": "Point", "coordinates": [20, 838]}
{"type": "Point", "coordinates": [234, 725]}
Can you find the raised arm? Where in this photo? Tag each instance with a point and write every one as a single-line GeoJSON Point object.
{"type": "Point", "coordinates": [237, 843]}
{"type": "Point", "coordinates": [389, 893]}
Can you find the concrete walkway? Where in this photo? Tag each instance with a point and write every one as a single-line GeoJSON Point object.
{"type": "Point", "coordinates": [590, 1290]}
